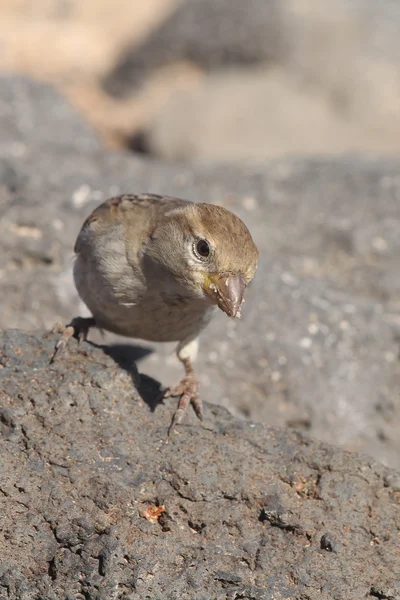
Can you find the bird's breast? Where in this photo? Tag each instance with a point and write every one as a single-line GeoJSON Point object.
{"type": "Point", "coordinates": [157, 320]}
{"type": "Point", "coordinates": [121, 303]}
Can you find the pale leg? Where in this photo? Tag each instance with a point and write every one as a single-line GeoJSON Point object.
{"type": "Point", "coordinates": [188, 388]}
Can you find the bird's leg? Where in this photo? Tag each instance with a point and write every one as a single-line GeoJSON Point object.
{"type": "Point", "coordinates": [188, 388]}
{"type": "Point", "coordinates": [79, 327]}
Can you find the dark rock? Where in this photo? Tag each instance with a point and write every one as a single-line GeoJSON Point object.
{"type": "Point", "coordinates": [329, 543]}
{"type": "Point", "coordinates": [33, 116]}
{"type": "Point", "coordinates": [75, 527]}
{"type": "Point", "coordinates": [210, 33]}
{"type": "Point", "coordinates": [318, 345]}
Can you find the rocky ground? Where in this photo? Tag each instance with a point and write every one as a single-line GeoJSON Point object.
{"type": "Point", "coordinates": [318, 345]}
{"type": "Point", "coordinates": [244, 510]}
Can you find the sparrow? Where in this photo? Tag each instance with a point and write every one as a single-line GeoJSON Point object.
{"type": "Point", "coordinates": [155, 268]}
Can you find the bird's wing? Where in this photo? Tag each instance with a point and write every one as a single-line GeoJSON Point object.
{"type": "Point", "coordinates": [136, 213]}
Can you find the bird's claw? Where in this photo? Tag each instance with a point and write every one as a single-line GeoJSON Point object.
{"type": "Point", "coordinates": [79, 328]}
{"type": "Point", "coordinates": [66, 334]}
{"type": "Point", "coordinates": [188, 390]}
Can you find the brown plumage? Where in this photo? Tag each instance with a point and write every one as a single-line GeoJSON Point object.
{"type": "Point", "coordinates": [154, 267]}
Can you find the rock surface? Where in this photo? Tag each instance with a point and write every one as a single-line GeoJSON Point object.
{"type": "Point", "coordinates": [255, 114]}
{"type": "Point", "coordinates": [318, 345]}
{"type": "Point", "coordinates": [250, 511]}
{"type": "Point", "coordinates": [34, 116]}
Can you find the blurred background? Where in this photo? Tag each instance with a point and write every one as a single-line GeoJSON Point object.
{"type": "Point", "coordinates": [218, 79]}
{"type": "Point", "coordinates": [287, 112]}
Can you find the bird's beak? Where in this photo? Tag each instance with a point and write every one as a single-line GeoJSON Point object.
{"type": "Point", "coordinates": [226, 291]}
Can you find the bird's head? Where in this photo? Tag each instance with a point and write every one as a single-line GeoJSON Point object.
{"type": "Point", "coordinates": [207, 250]}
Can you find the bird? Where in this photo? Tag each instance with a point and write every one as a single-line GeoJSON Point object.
{"type": "Point", "coordinates": [155, 268]}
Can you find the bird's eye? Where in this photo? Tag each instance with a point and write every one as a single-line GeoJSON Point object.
{"type": "Point", "coordinates": [203, 249]}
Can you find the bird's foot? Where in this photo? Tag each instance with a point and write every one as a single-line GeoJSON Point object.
{"type": "Point", "coordinates": [188, 390]}
{"type": "Point", "coordinates": [78, 327]}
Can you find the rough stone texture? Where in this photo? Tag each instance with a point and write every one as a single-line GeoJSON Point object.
{"type": "Point", "coordinates": [251, 511]}
{"type": "Point", "coordinates": [318, 346]}
{"type": "Point", "coordinates": [210, 33]}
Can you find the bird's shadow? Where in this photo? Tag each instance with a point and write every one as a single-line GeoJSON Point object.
{"type": "Point", "coordinates": [126, 356]}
